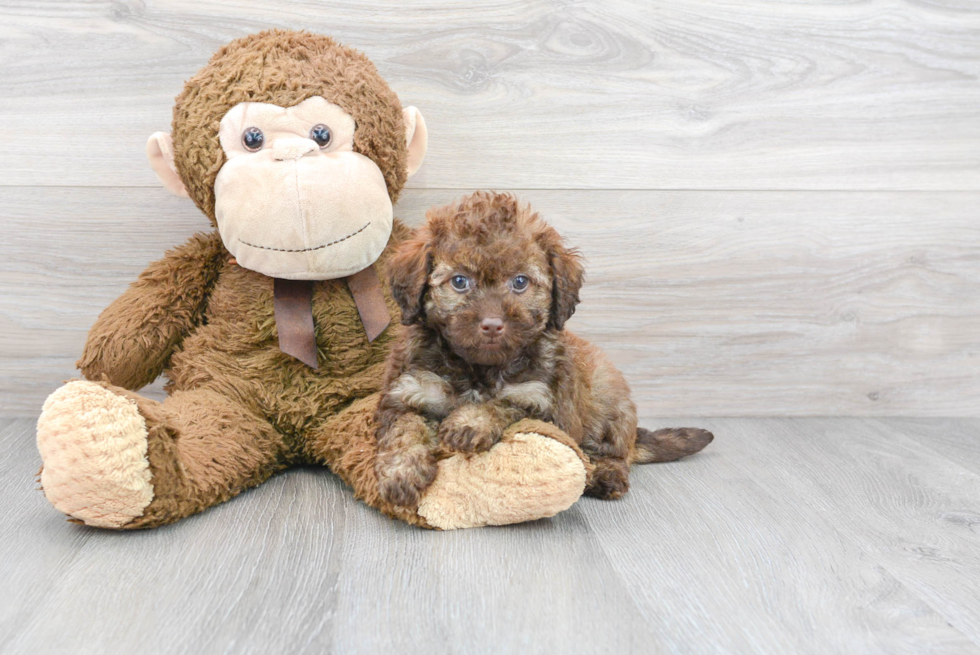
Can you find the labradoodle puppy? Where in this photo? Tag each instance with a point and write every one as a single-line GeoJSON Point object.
{"type": "Point", "coordinates": [485, 288]}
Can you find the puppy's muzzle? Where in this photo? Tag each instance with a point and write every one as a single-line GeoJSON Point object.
{"type": "Point", "coordinates": [492, 328]}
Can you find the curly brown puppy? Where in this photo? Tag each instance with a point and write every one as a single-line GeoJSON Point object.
{"type": "Point", "coordinates": [485, 288]}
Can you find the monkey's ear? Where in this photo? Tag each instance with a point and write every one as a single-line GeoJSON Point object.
{"type": "Point", "coordinates": [160, 151]}
{"type": "Point", "coordinates": [408, 273]}
{"type": "Point", "coordinates": [567, 275]}
{"type": "Point", "coordinates": [417, 138]}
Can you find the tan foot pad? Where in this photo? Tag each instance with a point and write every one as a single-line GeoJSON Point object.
{"type": "Point", "coordinates": [93, 445]}
{"type": "Point", "coordinates": [527, 477]}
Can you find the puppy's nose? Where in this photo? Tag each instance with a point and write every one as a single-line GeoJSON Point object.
{"type": "Point", "coordinates": [491, 327]}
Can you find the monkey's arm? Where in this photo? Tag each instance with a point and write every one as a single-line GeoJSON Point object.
{"type": "Point", "coordinates": [134, 337]}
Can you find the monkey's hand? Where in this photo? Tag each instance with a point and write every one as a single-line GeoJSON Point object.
{"type": "Point", "coordinates": [474, 428]}
{"type": "Point", "coordinates": [133, 339]}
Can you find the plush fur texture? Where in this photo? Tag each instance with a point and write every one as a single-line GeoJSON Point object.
{"type": "Point", "coordinates": [485, 288]}
{"type": "Point", "coordinates": [285, 68]}
{"type": "Point", "coordinates": [94, 442]}
{"type": "Point", "coordinates": [496, 488]}
{"type": "Point", "coordinates": [239, 409]}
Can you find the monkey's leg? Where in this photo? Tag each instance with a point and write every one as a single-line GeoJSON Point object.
{"type": "Point", "coordinates": [534, 472]}
{"type": "Point", "coordinates": [346, 442]}
{"type": "Point", "coordinates": [113, 459]}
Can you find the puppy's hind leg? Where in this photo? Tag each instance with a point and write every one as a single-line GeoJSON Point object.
{"type": "Point", "coordinates": [610, 479]}
{"type": "Point", "coordinates": [611, 456]}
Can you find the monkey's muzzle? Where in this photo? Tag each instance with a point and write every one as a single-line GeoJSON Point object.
{"type": "Point", "coordinates": [297, 213]}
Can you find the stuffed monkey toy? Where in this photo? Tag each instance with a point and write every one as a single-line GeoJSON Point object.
{"type": "Point", "coordinates": [273, 327]}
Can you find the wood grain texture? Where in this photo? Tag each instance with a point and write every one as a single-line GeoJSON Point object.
{"type": "Point", "coordinates": [747, 520]}
{"type": "Point", "coordinates": [907, 505]}
{"type": "Point", "coordinates": [662, 138]}
{"type": "Point", "coordinates": [955, 440]}
{"type": "Point", "coordinates": [713, 303]}
{"type": "Point", "coordinates": [542, 94]}
{"type": "Point", "coordinates": [785, 536]}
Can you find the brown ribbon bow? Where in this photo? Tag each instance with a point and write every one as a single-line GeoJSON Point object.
{"type": "Point", "coordinates": [293, 302]}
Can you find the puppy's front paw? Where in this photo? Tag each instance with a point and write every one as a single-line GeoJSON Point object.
{"type": "Point", "coordinates": [469, 430]}
{"type": "Point", "coordinates": [404, 475]}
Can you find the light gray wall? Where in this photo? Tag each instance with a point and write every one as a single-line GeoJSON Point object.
{"type": "Point", "coordinates": [779, 202]}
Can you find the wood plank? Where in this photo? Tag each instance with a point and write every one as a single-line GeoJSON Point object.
{"type": "Point", "coordinates": [744, 562]}
{"type": "Point", "coordinates": [243, 577]}
{"type": "Point", "coordinates": [541, 587]}
{"type": "Point", "coordinates": [300, 561]}
{"type": "Point", "coordinates": [36, 542]}
{"type": "Point", "coordinates": [956, 439]}
{"type": "Point", "coordinates": [626, 95]}
{"type": "Point", "coordinates": [736, 303]}
{"type": "Point", "coordinates": [777, 539]}
{"type": "Point", "coordinates": [898, 501]}
{"type": "Point", "coordinates": [916, 502]}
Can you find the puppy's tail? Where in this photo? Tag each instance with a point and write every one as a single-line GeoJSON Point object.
{"type": "Point", "coordinates": [669, 444]}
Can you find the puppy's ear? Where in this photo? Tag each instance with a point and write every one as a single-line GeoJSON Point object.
{"type": "Point", "coordinates": [567, 275]}
{"type": "Point", "coordinates": [408, 272]}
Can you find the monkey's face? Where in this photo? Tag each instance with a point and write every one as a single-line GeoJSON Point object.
{"type": "Point", "coordinates": [293, 200]}
{"type": "Point", "coordinates": [295, 148]}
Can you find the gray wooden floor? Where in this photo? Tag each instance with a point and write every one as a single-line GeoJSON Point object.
{"type": "Point", "coordinates": [786, 536]}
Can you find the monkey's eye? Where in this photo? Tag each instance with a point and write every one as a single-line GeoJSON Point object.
{"type": "Point", "coordinates": [252, 139]}
{"type": "Point", "coordinates": [519, 283]}
{"type": "Point", "coordinates": [460, 282]}
{"type": "Point", "coordinates": [321, 134]}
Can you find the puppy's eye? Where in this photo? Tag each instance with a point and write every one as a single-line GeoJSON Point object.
{"type": "Point", "coordinates": [519, 283]}
{"type": "Point", "coordinates": [252, 139]}
{"type": "Point", "coordinates": [321, 134]}
{"type": "Point", "coordinates": [460, 282]}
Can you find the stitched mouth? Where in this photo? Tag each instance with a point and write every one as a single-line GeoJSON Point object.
{"type": "Point", "coordinates": [326, 245]}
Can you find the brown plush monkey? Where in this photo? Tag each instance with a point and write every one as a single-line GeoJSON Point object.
{"type": "Point", "coordinates": [274, 328]}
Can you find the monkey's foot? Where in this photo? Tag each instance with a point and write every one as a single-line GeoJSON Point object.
{"type": "Point", "coordinates": [534, 472]}
{"type": "Point", "coordinates": [93, 447]}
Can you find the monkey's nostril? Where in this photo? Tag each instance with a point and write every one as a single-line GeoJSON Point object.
{"type": "Point", "coordinates": [288, 148]}
{"type": "Point", "coordinates": [491, 326]}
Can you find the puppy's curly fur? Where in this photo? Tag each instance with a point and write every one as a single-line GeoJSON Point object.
{"type": "Point", "coordinates": [485, 288]}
